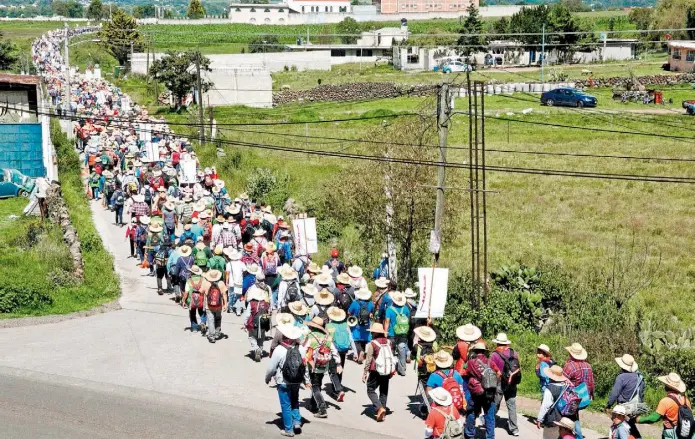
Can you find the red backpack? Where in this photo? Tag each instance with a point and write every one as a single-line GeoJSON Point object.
{"type": "Point", "coordinates": [450, 384]}
{"type": "Point", "coordinates": [196, 295]}
{"type": "Point", "coordinates": [214, 297]}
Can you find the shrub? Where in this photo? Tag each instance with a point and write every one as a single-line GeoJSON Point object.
{"type": "Point", "coordinates": [16, 297]}
{"type": "Point", "coordinates": [267, 186]}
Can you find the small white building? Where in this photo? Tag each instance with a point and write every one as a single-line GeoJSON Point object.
{"type": "Point", "coordinates": [287, 12]}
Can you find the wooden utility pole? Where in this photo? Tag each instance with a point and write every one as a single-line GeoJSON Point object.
{"type": "Point", "coordinates": [201, 117]}
{"type": "Point", "coordinates": [443, 116]}
{"type": "Point", "coordinates": [68, 91]}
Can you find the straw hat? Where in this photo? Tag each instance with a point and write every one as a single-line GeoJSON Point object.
{"type": "Point", "coordinates": [343, 278]}
{"type": "Point", "coordinates": [502, 339]}
{"type": "Point", "coordinates": [673, 381]}
{"type": "Point", "coordinates": [409, 293]}
{"type": "Point", "coordinates": [309, 290]}
{"type": "Point", "coordinates": [232, 253]}
{"type": "Point", "coordinates": [313, 268]}
{"type": "Point", "coordinates": [479, 346]}
{"type": "Point", "coordinates": [213, 275]}
{"type": "Point", "coordinates": [255, 293]}
{"type": "Point", "coordinates": [378, 328]}
{"type": "Point", "coordinates": [219, 218]}
{"type": "Point", "coordinates": [298, 308]}
{"type": "Point", "coordinates": [323, 279]}
{"type": "Point", "coordinates": [185, 250]}
{"type": "Point", "coordinates": [554, 373]}
{"type": "Point", "coordinates": [354, 271]}
{"type": "Point", "coordinates": [441, 396]}
{"type": "Point", "coordinates": [468, 332]}
{"type": "Point", "coordinates": [284, 318]}
{"type": "Point", "coordinates": [619, 410]}
{"type": "Point", "coordinates": [259, 232]}
{"type": "Point", "coordinates": [200, 245]}
{"type": "Point", "coordinates": [161, 189]}
{"type": "Point", "coordinates": [363, 294]}
{"type": "Point", "coordinates": [156, 228]}
{"type": "Point", "coordinates": [144, 220]}
{"type": "Point", "coordinates": [199, 206]}
{"type": "Point", "coordinates": [270, 247]}
{"type": "Point", "coordinates": [627, 363]}
{"type": "Point", "coordinates": [272, 219]}
{"type": "Point", "coordinates": [443, 359]}
{"type": "Point", "coordinates": [543, 347]}
{"type": "Point", "coordinates": [336, 314]}
{"type": "Point", "coordinates": [107, 174]}
{"type": "Point", "coordinates": [288, 273]}
{"type": "Point", "coordinates": [290, 332]}
{"type": "Point", "coordinates": [565, 423]}
{"type": "Point", "coordinates": [196, 270]}
{"type": "Point", "coordinates": [425, 333]}
{"type": "Point", "coordinates": [215, 190]}
{"type": "Point", "coordinates": [252, 269]}
{"type": "Point", "coordinates": [398, 298]}
{"type": "Point", "coordinates": [203, 215]}
{"type": "Point", "coordinates": [317, 322]}
{"type": "Point", "coordinates": [324, 298]}
{"type": "Point", "coordinates": [244, 196]}
{"type": "Point", "coordinates": [577, 351]}
{"type": "Point", "coordinates": [139, 198]}
{"type": "Point", "coordinates": [169, 205]}
{"type": "Point", "coordinates": [218, 249]}
{"type": "Point", "coordinates": [233, 210]}
{"type": "Point", "coordinates": [382, 282]}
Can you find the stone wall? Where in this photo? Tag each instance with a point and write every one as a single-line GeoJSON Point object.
{"type": "Point", "coordinates": [352, 92]}
{"type": "Point", "coordinates": [58, 213]}
{"type": "Point", "coordinates": [650, 80]}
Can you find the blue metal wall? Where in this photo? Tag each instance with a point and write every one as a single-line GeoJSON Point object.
{"type": "Point", "coordinates": [21, 148]}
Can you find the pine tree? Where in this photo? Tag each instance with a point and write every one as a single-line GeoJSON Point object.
{"type": "Point", "coordinates": [471, 40]}
{"type": "Point", "coordinates": [118, 34]}
{"type": "Point", "coordinates": [195, 10]}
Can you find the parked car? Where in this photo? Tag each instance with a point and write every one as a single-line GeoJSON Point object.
{"type": "Point", "coordinates": [456, 66]}
{"type": "Point", "coordinates": [570, 97]}
{"type": "Point", "coordinates": [15, 184]}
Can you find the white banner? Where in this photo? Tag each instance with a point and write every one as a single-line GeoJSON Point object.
{"type": "Point", "coordinates": [305, 239]}
{"type": "Point", "coordinates": [188, 169]}
{"type": "Point", "coordinates": [433, 290]}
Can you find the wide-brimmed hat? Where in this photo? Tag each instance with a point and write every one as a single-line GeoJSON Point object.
{"type": "Point", "coordinates": [425, 333]}
{"type": "Point", "coordinates": [244, 196]}
{"type": "Point", "coordinates": [252, 269]}
{"type": "Point", "coordinates": [343, 278]}
{"type": "Point", "coordinates": [354, 271]}
{"type": "Point", "coordinates": [256, 293]}
{"type": "Point", "coordinates": [363, 294]}
{"type": "Point", "coordinates": [468, 332]}
{"type": "Point", "coordinates": [185, 250]}
{"type": "Point", "coordinates": [309, 290]}
{"type": "Point", "coordinates": [272, 219]}
{"type": "Point", "coordinates": [441, 396]}
{"type": "Point", "coordinates": [232, 253]}
{"type": "Point", "coordinates": [213, 275]}
{"type": "Point", "coordinates": [203, 215]}
{"type": "Point", "coordinates": [544, 348]}
{"type": "Point", "coordinates": [298, 308]}
{"type": "Point", "coordinates": [409, 293]}
{"type": "Point", "coordinates": [479, 346]}
{"type": "Point", "coordinates": [139, 198]}
{"type": "Point", "coordinates": [502, 339]}
{"type": "Point", "coordinates": [336, 314]}
{"type": "Point", "coordinates": [107, 174]}
{"type": "Point", "coordinates": [443, 359]}
{"type": "Point", "coordinates": [619, 410]}
{"type": "Point", "coordinates": [219, 249]}
{"type": "Point", "coordinates": [187, 226]}
{"type": "Point", "coordinates": [673, 381]}
{"type": "Point", "coordinates": [398, 298]}
{"type": "Point", "coordinates": [233, 210]}
{"type": "Point", "coordinates": [288, 273]}
{"type": "Point", "coordinates": [576, 351]}
{"type": "Point", "coordinates": [169, 205]}
{"type": "Point", "coordinates": [382, 282]}
{"type": "Point", "coordinates": [317, 322]}
{"type": "Point", "coordinates": [290, 331]}
{"type": "Point", "coordinates": [200, 245]}
{"type": "Point", "coordinates": [259, 232]}
{"type": "Point", "coordinates": [144, 220]}
{"type": "Point", "coordinates": [196, 270]}
{"type": "Point", "coordinates": [199, 206]}
{"type": "Point", "coordinates": [270, 247]}
{"type": "Point", "coordinates": [324, 298]}
{"type": "Point", "coordinates": [565, 423]}
{"type": "Point", "coordinates": [313, 268]}
{"type": "Point", "coordinates": [378, 328]}
{"type": "Point", "coordinates": [156, 228]}
{"type": "Point", "coordinates": [554, 373]}
{"type": "Point", "coordinates": [627, 363]}
{"type": "Point", "coordinates": [161, 189]}
{"type": "Point", "coordinates": [323, 279]}
{"type": "Point", "coordinates": [284, 318]}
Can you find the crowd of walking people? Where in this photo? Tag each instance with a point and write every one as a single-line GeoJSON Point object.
{"type": "Point", "coordinates": [216, 253]}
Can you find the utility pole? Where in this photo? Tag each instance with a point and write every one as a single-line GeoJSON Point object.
{"type": "Point", "coordinates": [68, 92]}
{"type": "Point", "coordinates": [200, 98]}
{"type": "Point", "coordinates": [131, 57]}
{"type": "Point", "coordinates": [471, 121]}
{"type": "Point", "coordinates": [443, 116]}
{"type": "Point", "coordinates": [543, 56]}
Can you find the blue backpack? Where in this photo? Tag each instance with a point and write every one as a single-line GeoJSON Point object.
{"type": "Point", "coordinates": [341, 336]}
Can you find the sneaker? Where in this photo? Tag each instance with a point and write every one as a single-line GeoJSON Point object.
{"type": "Point", "coordinates": [380, 415]}
{"type": "Point", "coordinates": [286, 433]}
{"type": "Point", "coordinates": [297, 429]}
{"type": "Point", "coordinates": [211, 339]}
{"type": "Point", "coordinates": [257, 355]}
{"type": "Point", "coordinates": [515, 433]}
{"type": "Point", "coordinates": [321, 415]}
{"type": "Point", "coordinates": [341, 396]}
{"type": "Point", "coordinates": [160, 292]}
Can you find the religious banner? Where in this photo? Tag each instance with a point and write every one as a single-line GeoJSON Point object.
{"type": "Point", "coordinates": [433, 284]}
{"type": "Point", "coordinates": [305, 239]}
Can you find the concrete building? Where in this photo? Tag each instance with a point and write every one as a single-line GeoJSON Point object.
{"type": "Point", "coordinates": [404, 7]}
{"type": "Point", "coordinates": [681, 56]}
{"type": "Point", "coordinates": [288, 12]}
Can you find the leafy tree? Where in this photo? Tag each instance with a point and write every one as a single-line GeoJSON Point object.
{"type": "Point", "coordinates": [144, 11]}
{"type": "Point", "coordinates": [690, 22]}
{"type": "Point", "coordinates": [7, 53]}
{"type": "Point", "coordinates": [471, 40]}
{"type": "Point", "coordinates": [563, 25]}
{"type": "Point", "coordinates": [349, 30]}
{"type": "Point", "coordinates": [576, 5]}
{"type": "Point", "coordinates": [118, 34]}
{"type": "Point", "coordinates": [195, 10]}
{"type": "Point", "coordinates": [500, 26]}
{"type": "Point", "coordinates": [265, 43]}
{"type": "Point", "coordinates": [70, 9]}
{"type": "Point", "coordinates": [95, 10]}
{"type": "Point", "coordinates": [641, 17]}
{"type": "Point", "coordinates": [672, 14]}
{"type": "Point", "coordinates": [178, 72]}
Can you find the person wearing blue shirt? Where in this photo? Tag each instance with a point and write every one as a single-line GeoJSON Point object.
{"type": "Point", "coordinates": [397, 325]}
{"type": "Point", "coordinates": [196, 229]}
{"type": "Point", "coordinates": [545, 360]}
{"type": "Point", "coordinates": [360, 331]}
{"type": "Point", "coordinates": [444, 362]}
{"type": "Point", "coordinates": [187, 234]}
{"type": "Point", "coordinates": [249, 278]}
{"type": "Point", "coordinates": [174, 256]}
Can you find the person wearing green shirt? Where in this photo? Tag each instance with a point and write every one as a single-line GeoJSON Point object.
{"type": "Point", "coordinates": [217, 261]}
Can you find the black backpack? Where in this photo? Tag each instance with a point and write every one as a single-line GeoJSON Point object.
{"type": "Point", "coordinates": [323, 312]}
{"type": "Point", "coordinates": [685, 427]}
{"type": "Point", "coordinates": [293, 369]}
{"type": "Point", "coordinates": [363, 316]}
{"type": "Point", "coordinates": [292, 294]}
{"type": "Point", "coordinates": [148, 196]}
{"type": "Point", "coordinates": [511, 374]}
{"type": "Point", "coordinates": [344, 300]}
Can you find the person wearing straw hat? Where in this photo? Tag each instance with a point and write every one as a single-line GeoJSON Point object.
{"type": "Point", "coordinates": [194, 298]}
{"type": "Point", "coordinates": [171, 267]}
{"type": "Point", "coordinates": [215, 302]}
{"type": "Point", "coordinates": [141, 234]}
{"type": "Point", "coordinates": [548, 414]}
{"type": "Point", "coordinates": [234, 271]}
{"type": "Point", "coordinates": [257, 316]}
{"type": "Point", "coordinates": [381, 298]}
{"type": "Point", "coordinates": [130, 232]}
{"type": "Point", "coordinates": [251, 271]}
{"type": "Point", "coordinates": [288, 289]}
{"type": "Point", "coordinates": [217, 228]}
{"type": "Point", "coordinates": [507, 361]}
{"type": "Point", "coordinates": [226, 236]}
{"type": "Point", "coordinates": [578, 371]}
{"type": "Point", "coordinates": [284, 248]}
{"type": "Point", "coordinates": [323, 299]}
{"type": "Point", "coordinates": [201, 254]}
{"type": "Point", "coordinates": [169, 217]}
{"type": "Point", "coordinates": [628, 388]}
{"type": "Point", "coordinates": [270, 262]}
{"type": "Point", "coordinates": [397, 325]}
{"type": "Point", "coordinates": [378, 376]}
{"type": "Point", "coordinates": [217, 261]}
{"type": "Point", "coordinates": [361, 310]}
{"type": "Point", "coordinates": [288, 379]}
{"type": "Point", "coordinates": [187, 237]}
{"type": "Point", "coordinates": [258, 241]}
{"type": "Point", "coordinates": [565, 428]}
{"type": "Point", "coordinates": [443, 415]}
{"type": "Point", "coordinates": [424, 346]}
{"type": "Point", "coordinates": [356, 279]}
{"type": "Point", "coordinates": [196, 228]}
{"type": "Point", "coordinates": [339, 331]}
{"type": "Point", "coordinates": [482, 399]}
{"type": "Point", "coordinates": [184, 265]}
{"type": "Point", "coordinates": [669, 407]}
{"type": "Point", "coordinates": [161, 259]}
{"type": "Point", "coordinates": [320, 352]}
{"type": "Point", "coordinates": [620, 429]}
{"type": "Point", "coordinates": [545, 360]}
{"type": "Point", "coordinates": [308, 292]}
{"type": "Point", "coordinates": [344, 294]}
{"type": "Point", "coordinates": [467, 335]}
{"type": "Point", "coordinates": [118, 202]}
{"type": "Point", "coordinates": [296, 316]}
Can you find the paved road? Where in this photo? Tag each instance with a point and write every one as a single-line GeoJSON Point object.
{"type": "Point", "coordinates": [146, 348]}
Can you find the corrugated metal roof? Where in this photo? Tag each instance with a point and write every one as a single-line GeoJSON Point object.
{"type": "Point", "coordinates": [682, 44]}
{"type": "Point", "coordinates": [20, 79]}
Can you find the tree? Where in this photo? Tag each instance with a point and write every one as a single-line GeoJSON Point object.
{"type": "Point", "coordinates": [117, 36]}
{"type": "Point", "coordinates": [563, 26]}
{"type": "Point", "coordinates": [471, 40]}
{"type": "Point", "coordinates": [500, 26]}
{"type": "Point", "coordinates": [349, 30]}
{"type": "Point", "coordinates": [95, 10]}
{"type": "Point", "coordinates": [69, 9]}
{"type": "Point", "coordinates": [195, 10]}
{"type": "Point", "coordinates": [672, 14]}
{"type": "Point", "coordinates": [576, 5]}
{"type": "Point", "coordinates": [265, 44]}
{"type": "Point", "coordinates": [690, 22]}
{"type": "Point", "coordinates": [8, 54]}
{"type": "Point", "coordinates": [178, 72]}
{"type": "Point", "coordinates": [641, 17]}
{"type": "Point", "coordinates": [144, 11]}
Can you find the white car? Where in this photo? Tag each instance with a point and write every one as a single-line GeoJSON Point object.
{"type": "Point", "coordinates": [456, 66]}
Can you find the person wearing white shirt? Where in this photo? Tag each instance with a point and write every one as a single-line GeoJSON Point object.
{"type": "Point", "coordinates": [235, 279]}
{"type": "Point", "coordinates": [217, 228]}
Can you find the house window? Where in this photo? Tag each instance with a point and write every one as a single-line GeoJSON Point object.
{"type": "Point", "coordinates": [338, 52]}
{"type": "Point", "coordinates": [302, 8]}
{"type": "Point", "coordinates": [364, 52]}
{"type": "Point", "coordinates": [266, 10]}
{"type": "Point", "coordinates": [253, 9]}
{"type": "Point", "coordinates": [326, 8]}
{"type": "Point", "coordinates": [690, 56]}
{"type": "Point", "coordinates": [237, 10]}
{"type": "Point", "coordinates": [413, 57]}
{"type": "Point", "coordinates": [267, 21]}
{"type": "Point", "coordinates": [676, 54]}
{"type": "Point", "coordinates": [281, 10]}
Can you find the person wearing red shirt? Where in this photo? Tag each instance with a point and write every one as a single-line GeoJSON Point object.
{"type": "Point", "coordinates": [442, 409]}
{"type": "Point", "coordinates": [578, 371]}
{"type": "Point", "coordinates": [483, 400]}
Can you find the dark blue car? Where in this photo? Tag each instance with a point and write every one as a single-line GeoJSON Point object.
{"type": "Point", "coordinates": [570, 97]}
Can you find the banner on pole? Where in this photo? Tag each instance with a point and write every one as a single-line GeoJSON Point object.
{"type": "Point", "coordinates": [433, 291]}
{"type": "Point", "coordinates": [305, 238]}
{"type": "Point", "coordinates": [188, 169]}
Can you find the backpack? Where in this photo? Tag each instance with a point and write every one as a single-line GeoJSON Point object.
{"type": "Point", "coordinates": [161, 257]}
{"type": "Point", "coordinates": [450, 384]}
{"type": "Point", "coordinates": [452, 428]}
{"type": "Point", "coordinates": [340, 334]}
{"type": "Point", "coordinates": [402, 325]}
{"type": "Point", "coordinates": [201, 259]}
{"type": "Point", "coordinates": [207, 232]}
{"type": "Point", "coordinates": [196, 295]}
{"type": "Point", "coordinates": [270, 265]}
{"type": "Point", "coordinates": [148, 196]}
{"type": "Point", "coordinates": [511, 373]}
{"type": "Point", "coordinates": [363, 315]}
{"type": "Point", "coordinates": [344, 300]}
{"type": "Point", "coordinates": [323, 312]}
{"type": "Point", "coordinates": [322, 354]}
{"type": "Point", "coordinates": [214, 297]}
{"type": "Point", "coordinates": [255, 317]}
{"type": "Point", "coordinates": [292, 294]}
{"type": "Point", "coordinates": [488, 379]}
{"type": "Point", "coordinates": [685, 426]}
{"type": "Point", "coordinates": [568, 402]}
{"type": "Point", "coordinates": [384, 364]}
{"type": "Point", "coordinates": [120, 200]}
{"type": "Point", "coordinates": [141, 235]}
{"type": "Point", "coordinates": [217, 263]}
{"type": "Point", "coordinates": [293, 368]}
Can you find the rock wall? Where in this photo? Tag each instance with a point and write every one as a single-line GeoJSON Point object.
{"type": "Point", "coordinates": [58, 213]}
{"type": "Point", "coordinates": [353, 91]}
{"type": "Point", "coordinates": [623, 81]}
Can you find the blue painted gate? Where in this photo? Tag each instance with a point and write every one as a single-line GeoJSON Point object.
{"type": "Point", "coordinates": [21, 148]}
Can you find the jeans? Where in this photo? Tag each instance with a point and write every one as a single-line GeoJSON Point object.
{"type": "Point", "coordinates": [317, 401]}
{"type": "Point", "coordinates": [481, 403]}
{"type": "Point", "coordinates": [289, 403]}
{"type": "Point", "coordinates": [381, 382]}
{"type": "Point", "coordinates": [400, 350]}
{"type": "Point", "coordinates": [132, 248]}
{"type": "Point", "coordinates": [335, 377]}
{"type": "Point", "coordinates": [234, 302]}
{"type": "Point", "coordinates": [215, 326]}
{"type": "Point", "coordinates": [150, 260]}
{"type": "Point", "coordinates": [162, 273]}
{"type": "Point", "coordinates": [194, 320]}
{"type": "Point", "coordinates": [119, 214]}
{"type": "Point", "coordinates": [256, 343]}
{"type": "Point", "coordinates": [509, 395]}
{"type": "Point", "coordinates": [95, 193]}
{"type": "Point", "coordinates": [141, 252]}
{"type": "Point", "coordinates": [578, 428]}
